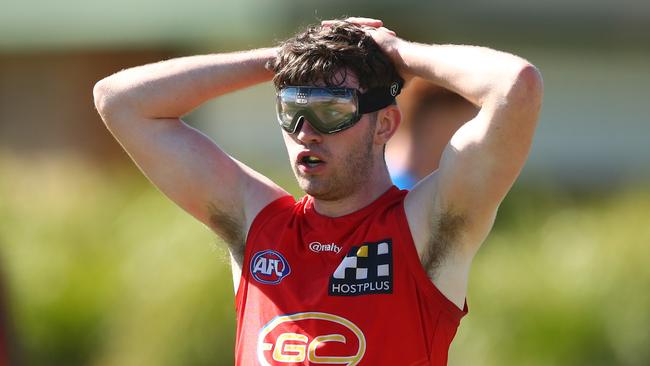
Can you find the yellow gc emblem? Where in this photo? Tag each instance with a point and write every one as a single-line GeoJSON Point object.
{"type": "Point", "coordinates": [316, 337]}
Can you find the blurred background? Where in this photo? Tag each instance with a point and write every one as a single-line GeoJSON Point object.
{"type": "Point", "coordinates": [98, 268]}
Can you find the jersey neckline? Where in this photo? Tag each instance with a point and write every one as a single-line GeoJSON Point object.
{"type": "Point", "coordinates": [311, 213]}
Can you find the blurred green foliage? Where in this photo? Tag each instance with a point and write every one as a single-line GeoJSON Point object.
{"type": "Point", "coordinates": [103, 270]}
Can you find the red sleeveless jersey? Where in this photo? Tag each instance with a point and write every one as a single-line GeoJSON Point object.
{"type": "Point", "coordinates": [350, 290]}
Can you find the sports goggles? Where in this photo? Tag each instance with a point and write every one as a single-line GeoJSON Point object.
{"type": "Point", "coordinates": [329, 110]}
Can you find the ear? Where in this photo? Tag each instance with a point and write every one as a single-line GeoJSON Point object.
{"type": "Point", "coordinates": [388, 120]}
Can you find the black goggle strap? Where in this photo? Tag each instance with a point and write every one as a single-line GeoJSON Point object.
{"type": "Point", "coordinates": [377, 98]}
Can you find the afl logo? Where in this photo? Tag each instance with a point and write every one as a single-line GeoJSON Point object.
{"type": "Point", "coordinates": [269, 267]}
{"type": "Point", "coordinates": [310, 338]}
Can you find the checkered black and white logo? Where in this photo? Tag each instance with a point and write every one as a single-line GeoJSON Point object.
{"type": "Point", "coordinates": [366, 269]}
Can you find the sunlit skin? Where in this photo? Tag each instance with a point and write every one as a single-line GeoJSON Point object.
{"type": "Point", "coordinates": [353, 172]}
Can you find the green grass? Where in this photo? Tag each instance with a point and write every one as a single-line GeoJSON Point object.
{"type": "Point", "coordinates": [103, 270]}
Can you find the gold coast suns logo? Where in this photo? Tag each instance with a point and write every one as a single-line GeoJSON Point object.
{"type": "Point", "coordinates": [319, 338]}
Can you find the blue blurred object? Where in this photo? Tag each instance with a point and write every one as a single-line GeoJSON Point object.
{"type": "Point", "coordinates": [403, 179]}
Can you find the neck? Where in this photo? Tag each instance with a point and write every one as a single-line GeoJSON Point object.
{"type": "Point", "coordinates": [361, 198]}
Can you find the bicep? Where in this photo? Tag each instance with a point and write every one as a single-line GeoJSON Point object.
{"type": "Point", "coordinates": [195, 173]}
{"type": "Point", "coordinates": [484, 157]}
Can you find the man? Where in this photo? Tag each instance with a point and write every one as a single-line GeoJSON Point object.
{"type": "Point", "coordinates": [357, 272]}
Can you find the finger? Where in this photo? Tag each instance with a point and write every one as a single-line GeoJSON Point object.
{"type": "Point", "coordinates": [388, 31]}
{"type": "Point", "coordinates": [329, 22]}
{"type": "Point", "coordinates": [375, 23]}
{"type": "Point", "coordinates": [366, 21]}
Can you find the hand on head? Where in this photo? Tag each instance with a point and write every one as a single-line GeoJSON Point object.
{"type": "Point", "coordinates": [384, 37]}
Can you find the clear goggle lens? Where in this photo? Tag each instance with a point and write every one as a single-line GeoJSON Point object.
{"type": "Point", "coordinates": [328, 110]}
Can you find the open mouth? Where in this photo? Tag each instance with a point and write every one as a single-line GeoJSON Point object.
{"type": "Point", "coordinates": [311, 161]}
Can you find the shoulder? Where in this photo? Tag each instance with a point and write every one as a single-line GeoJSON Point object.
{"type": "Point", "coordinates": [280, 208]}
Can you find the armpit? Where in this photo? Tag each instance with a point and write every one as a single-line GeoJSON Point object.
{"type": "Point", "coordinates": [229, 230]}
{"type": "Point", "coordinates": [446, 231]}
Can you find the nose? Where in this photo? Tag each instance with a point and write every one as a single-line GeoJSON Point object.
{"type": "Point", "coordinates": [307, 134]}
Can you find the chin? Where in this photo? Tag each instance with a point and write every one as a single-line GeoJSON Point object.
{"type": "Point", "coordinates": [312, 186]}
{"type": "Point", "coordinates": [324, 191]}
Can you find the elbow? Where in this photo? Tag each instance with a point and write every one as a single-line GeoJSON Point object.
{"type": "Point", "coordinates": [100, 95]}
{"type": "Point", "coordinates": [109, 99]}
{"type": "Point", "coordinates": [104, 99]}
{"type": "Point", "coordinates": [528, 86]}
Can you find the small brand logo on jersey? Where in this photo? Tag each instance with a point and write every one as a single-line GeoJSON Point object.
{"type": "Point", "coordinates": [319, 338]}
{"type": "Point", "coordinates": [269, 267]}
{"type": "Point", "coordinates": [317, 247]}
{"type": "Point", "coordinates": [366, 269]}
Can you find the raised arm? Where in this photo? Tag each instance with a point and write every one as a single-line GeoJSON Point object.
{"type": "Point", "coordinates": [484, 157]}
{"type": "Point", "coordinates": [451, 211]}
{"type": "Point", "coordinates": [142, 108]}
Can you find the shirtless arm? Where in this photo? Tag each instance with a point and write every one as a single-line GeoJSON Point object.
{"type": "Point", "coordinates": [142, 107]}
{"type": "Point", "coordinates": [451, 211]}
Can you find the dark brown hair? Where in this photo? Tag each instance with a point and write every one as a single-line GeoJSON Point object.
{"type": "Point", "coordinates": [320, 53]}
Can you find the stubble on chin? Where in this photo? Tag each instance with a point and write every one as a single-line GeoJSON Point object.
{"type": "Point", "coordinates": [318, 187]}
{"type": "Point", "coordinates": [324, 190]}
